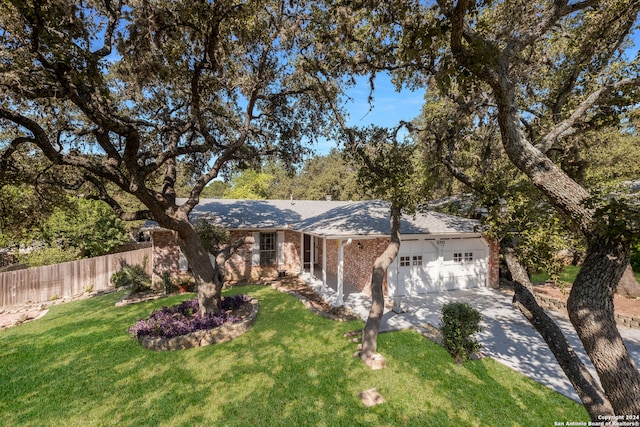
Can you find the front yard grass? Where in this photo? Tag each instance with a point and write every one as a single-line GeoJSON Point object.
{"type": "Point", "coordinates": [77, 366]}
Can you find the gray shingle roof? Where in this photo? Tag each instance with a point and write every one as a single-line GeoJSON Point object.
{"type": "Point", "coordinates": [326, 218]}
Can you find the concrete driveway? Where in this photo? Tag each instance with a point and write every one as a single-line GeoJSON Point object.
{"type": "Point", "coordinates": [506, 336]}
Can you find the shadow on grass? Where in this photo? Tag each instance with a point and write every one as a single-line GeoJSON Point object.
{"type": "Point", "coordinates": [78, 366]}
{"type": "Point", "coordinates": [477, 392]}
{"type": "Point", "coordinates": [78, 363]}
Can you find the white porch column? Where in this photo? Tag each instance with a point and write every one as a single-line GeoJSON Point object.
{"type": "Point", "coordinates": [312, 255]}
{"type": "Point", "coordinates": [341, 245]}
{"type": "Point", "coordinates": [324, 262]}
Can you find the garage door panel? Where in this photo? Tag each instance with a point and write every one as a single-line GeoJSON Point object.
{"type": "Point", "coordinates": [419, 269]}
{"type": "Point", "coordinates": [416, 267]}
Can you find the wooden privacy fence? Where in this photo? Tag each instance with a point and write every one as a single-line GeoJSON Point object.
{"type": "Point", "coordinates": [40, 284]}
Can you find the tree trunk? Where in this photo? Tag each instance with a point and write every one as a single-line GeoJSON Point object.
{"type": "Point", "coordinates": [629, 286]}
{"type": "Point", "coordinates": [208, 283]}
{"type": "Point", "coordinates": [589, 391]}
{"type": "Point", "coordinates": [380, 266]}
{"type": "Point", "coordinates": [590, 304]}
{"type": "Point", "coordinates": [590, 307]}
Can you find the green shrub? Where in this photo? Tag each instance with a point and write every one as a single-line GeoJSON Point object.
{"type": "Point", "coordinates": [211, 236]}
{"type": "Point", "coordinates": [459, 322]}
{"type": "Point", "coordinates": [49, 255]}
{"type": "Point", "coordinates": [131, 276]}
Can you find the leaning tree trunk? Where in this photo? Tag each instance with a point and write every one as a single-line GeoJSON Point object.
{"type": "Point", "coordinates": [380, 266]}
{"type": "Point", "coordinates": [589, 391]}
{"type": "Point", "coordinates": [591, 310]}
{"type": "Point", "coordinates": [590, 304]}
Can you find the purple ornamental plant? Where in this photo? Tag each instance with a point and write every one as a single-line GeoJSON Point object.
{"type": "Point", "coordinates": [181, 319]}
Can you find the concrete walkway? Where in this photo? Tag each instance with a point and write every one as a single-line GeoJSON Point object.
{"type": "Point", "coordinates": [506, 336]}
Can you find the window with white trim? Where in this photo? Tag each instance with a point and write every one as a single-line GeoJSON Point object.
{"type": "Point", "coordinates": [405, 261]}
{"type": "Point", "coordinates": [417, 260]}
{"type": "Point", "coordinates": [468, 256]}
{"type": "Point", "coordinates": [457, 257]}
{"type": "Point", "coordinates": [268, 249]}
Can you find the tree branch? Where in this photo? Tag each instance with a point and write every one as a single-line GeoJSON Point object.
{"type": "Point", "coordinates": [114, 14]}
{"type": "Point", "coordinates": [40, 137]}
{"type": "Point", "coordinates": [103, 195]}
{"type": "Point", "coordinates": [568, 126]}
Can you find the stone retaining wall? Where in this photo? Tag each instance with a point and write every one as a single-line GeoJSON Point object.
{"type": "Point", "coordinates": [561, 306]}
{"type": "Point", "coordinates": [217, 335]}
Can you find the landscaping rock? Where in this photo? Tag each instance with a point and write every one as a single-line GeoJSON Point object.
{"type": "Point", "coordinates": [314, 302]}
{"type": "Point", "coordinates": [371, 397]}
{"type": "Point", "coordinates": [139, 297]}
{"type": "Point", "coordinates": [432, 333]}
{"type": "Point", "coordinates": [376, 362]}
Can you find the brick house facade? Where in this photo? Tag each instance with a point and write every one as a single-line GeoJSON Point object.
{"type": "Point", "coordinates": [284, 246]}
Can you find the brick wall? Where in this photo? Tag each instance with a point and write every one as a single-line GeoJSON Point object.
{"type": "Point", "coordinates": [332, 257]}
{"type": "Point", "coordinates": [239, 265]}
{"type": "Point", "coordinates": [359, 257]}
{"type": "Point", "coordinates": [292, 252]}
{"type": "Point", "coordinates": [165, 255]}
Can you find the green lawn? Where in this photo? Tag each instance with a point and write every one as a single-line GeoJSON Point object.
{"type": "Point", "coordinates": [568, 275]}
{"type": "Point", "coordinates": [77, 366]}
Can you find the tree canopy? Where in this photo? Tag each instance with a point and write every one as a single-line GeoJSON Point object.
{"type": "Point", "coordinates": [80, 228]}
{"type": "Point", "coordinates": [318, 177]}
{"type": "Point", "coordinates": [120, 92]}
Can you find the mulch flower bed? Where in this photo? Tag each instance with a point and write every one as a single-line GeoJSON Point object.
{"type": "Point", "coordinates": [179, 327]}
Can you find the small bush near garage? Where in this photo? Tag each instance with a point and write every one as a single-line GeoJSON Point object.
{"type": "Point", "coordinates": [459, 322]}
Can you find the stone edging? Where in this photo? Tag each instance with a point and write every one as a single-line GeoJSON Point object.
{"type": "Point", "coordinates": [559, 305]}
{"type": "Point", "coordinates": [307, 303]}
{"type": "Point", "coordinates": [217, 335]}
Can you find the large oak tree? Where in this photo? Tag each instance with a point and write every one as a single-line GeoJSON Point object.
{"type": "Point", "coordinates": [554, 73]}
{"type": "Point", "coordinates": [510, 46]}
{"type": "Point", "coordinates": [121, 91]}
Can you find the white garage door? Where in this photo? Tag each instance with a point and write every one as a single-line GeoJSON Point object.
{"type": "Point", "coordinates": [415, 267]}
{"type": "Point", "coordinates": [429, 266]}
{"type": "Point", "coordinates": [464, 264]}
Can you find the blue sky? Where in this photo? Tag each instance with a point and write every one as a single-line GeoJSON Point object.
{"type": "Point", "coordinates": [388, 108]}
